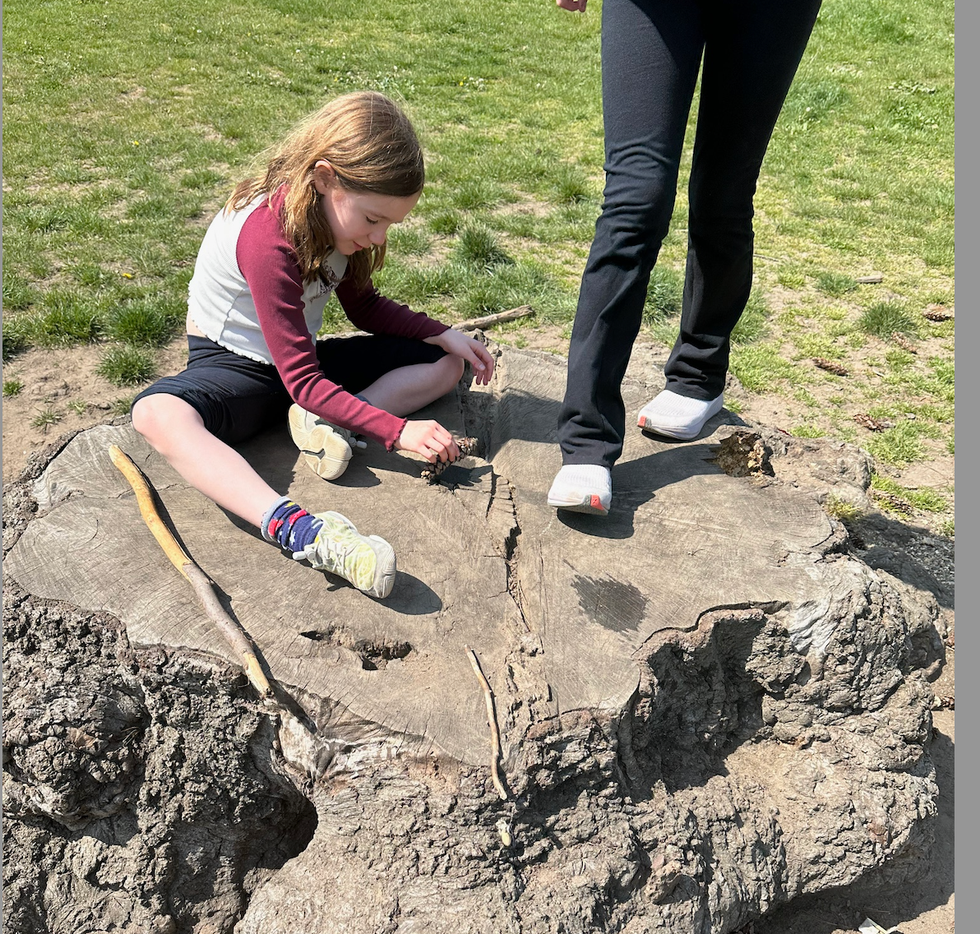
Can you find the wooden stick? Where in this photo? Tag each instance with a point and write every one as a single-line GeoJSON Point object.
{"type": "Point", "coordinates": [233, 632]}
{"type": "Point", "coordinates": [492, 721]}
{"type": "Point", "coordinates": [472, 324]}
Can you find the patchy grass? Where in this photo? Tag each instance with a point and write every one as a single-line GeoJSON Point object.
{"type": "Point", "coordinates": [126, 365]}
{"type": "Point", "coordinates": [47, 417]}
{"type": "Point", "coordinates": [884, 319]}
{"type": "Point", "coordinates": [842, 509]}
{"type": "Point", "coordinates": [923, 499]}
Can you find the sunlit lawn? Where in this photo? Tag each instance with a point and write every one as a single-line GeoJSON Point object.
{"type": "Point", "coordinates": [125, 126]}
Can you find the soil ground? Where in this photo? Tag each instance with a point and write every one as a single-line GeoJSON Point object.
{"type": "Point", "coordinates": [62, 393]}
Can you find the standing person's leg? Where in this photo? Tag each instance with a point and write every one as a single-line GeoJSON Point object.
{"type": "Point", "coordinates": [651, 53]}
{"type": "Point", "coordinates": [752, 52]}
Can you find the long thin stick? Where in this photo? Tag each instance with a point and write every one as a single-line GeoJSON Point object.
{"type": "Point", "coordinates": [236, 637]}
{"type": "Point", "coordinates": [492, 720]}
{"type": "Point", "coordinates": [473, 323]}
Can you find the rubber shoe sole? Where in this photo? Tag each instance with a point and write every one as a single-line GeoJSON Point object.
{"type": "Point", "coordinates": [326, 451]}
{"type": "Point", "coordinates": [590, 503]}
{"type": "Point", "coordinates": [385, 569]}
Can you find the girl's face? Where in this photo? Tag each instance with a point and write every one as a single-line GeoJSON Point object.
{"type": "Point", "coordinates": [358, 220]}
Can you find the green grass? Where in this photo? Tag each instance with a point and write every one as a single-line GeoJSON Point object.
{"type": "Point", "coordinates": [924, 499]}
{"type": "Point", "coordinates": [806, 431]}
{"type": "Point", "coordinates": [477, 246]}
{"type": "Point", "coordinates": [126, 365]}
{"type": "Point", "coordinates": [842, 509]}
{"type": "Point", "coordinates": [144, 321]}
{"type": "Point", "coordinates": [46, 418]}
{"type": "Point", "coordinates": [662, 308]}
{"type": "Point", "coordinates": [883, 319]}
{"type": "Point", "coordinates": [835, 283]}
{"type": "Point", "coordinates": [149, 119]}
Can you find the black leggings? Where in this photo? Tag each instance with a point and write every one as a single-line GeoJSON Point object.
{"type": "Point", "coordinates": [651, 55]}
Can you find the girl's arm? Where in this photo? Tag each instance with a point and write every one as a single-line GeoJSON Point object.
{"type": "Point", "coordinates": [472, 351]}
{"type": "Point", "coordinates": [276, 286]}
{"type": "Point", "coordinates": [371, 311]}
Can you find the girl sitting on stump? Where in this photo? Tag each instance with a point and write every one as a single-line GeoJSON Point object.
{"type": "Point", "coordinates": [312, 223]}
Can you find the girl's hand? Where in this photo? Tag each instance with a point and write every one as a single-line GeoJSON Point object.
{"type": "Point", "coordinates": [576, 6]}
{"type": "Point", "coordinates": [472, 351]}
{"type": "Point", "coordinates": [429, 439]}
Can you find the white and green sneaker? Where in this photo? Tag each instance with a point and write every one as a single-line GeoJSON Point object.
{"type": "Point", "coordinates": [366, 561]}
{"type": "Point", "coordinates": [326, 448]}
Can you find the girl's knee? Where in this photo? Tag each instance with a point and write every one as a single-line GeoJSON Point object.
{"type": "Point", "coordinates": [155, 416]}
{"type": "Point", "coordinates": [450, 371]}
{"type": "Point", "coordinates": [144, 415]}
{"type": "Point", "coordinates": [455, 366]}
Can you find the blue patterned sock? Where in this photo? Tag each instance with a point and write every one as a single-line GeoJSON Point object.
{"type": "Point", "coordinates": [289, 526]}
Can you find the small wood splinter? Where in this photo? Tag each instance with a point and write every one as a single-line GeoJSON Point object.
{"type": "Point", "coordinates": [492, 721]}
{"type": "Point", "coordinates": [432, 472]}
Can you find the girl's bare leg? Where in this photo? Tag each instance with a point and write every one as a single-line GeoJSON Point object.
{"type": "Point", "coordinates": [175, 429]}
{"type": "Point", "coordinates": [410, 388]}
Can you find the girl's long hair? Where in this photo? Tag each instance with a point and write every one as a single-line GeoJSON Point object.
{"type": "Point", "coordinates": [372, 147]}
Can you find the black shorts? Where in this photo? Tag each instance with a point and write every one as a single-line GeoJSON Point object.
{"type": "Point", "coordinates": [237, 397]}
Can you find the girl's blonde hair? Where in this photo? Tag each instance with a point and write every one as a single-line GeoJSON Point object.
{"type": "Point", "coordinates": [372, 147]}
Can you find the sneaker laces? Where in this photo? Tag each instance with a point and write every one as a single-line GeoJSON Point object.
{"type": "Point", "coordinates": [333, 553]}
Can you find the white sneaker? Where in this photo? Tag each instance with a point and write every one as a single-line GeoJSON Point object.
{"type": "Point", "coordinates": [366, 561]}
{"type": "Point", "coordinates": [677, 416]}
{"type": "Point", "coordinates": [326, 448]}
{"type": "Point", "coordinates": [582, 488]}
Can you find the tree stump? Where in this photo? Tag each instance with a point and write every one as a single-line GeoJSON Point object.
{"type": "Point", "coordinates": [708, 704]}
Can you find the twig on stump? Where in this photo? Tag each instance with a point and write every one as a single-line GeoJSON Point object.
{"type": "Point", "coordinates": [492, 721]}
{"type": "Point", "coordinates": [473, 324]}
{"type": "Point", "coordinates": [236, 637]}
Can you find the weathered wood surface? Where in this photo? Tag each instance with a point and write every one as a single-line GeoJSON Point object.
{"type": "Point", "coordinates": [683, 538]}
{"type": "Point", "coordinates": [708, 704]}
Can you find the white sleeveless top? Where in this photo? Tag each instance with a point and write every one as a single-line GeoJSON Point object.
{"type": "Point", "coordinates": [220, 302]}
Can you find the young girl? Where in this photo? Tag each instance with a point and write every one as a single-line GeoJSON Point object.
{"type": "Point", "coordinates": [313, 223]}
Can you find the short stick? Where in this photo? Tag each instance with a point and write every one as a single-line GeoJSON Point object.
{"type": "Point", "coordinates": [473, 323]}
